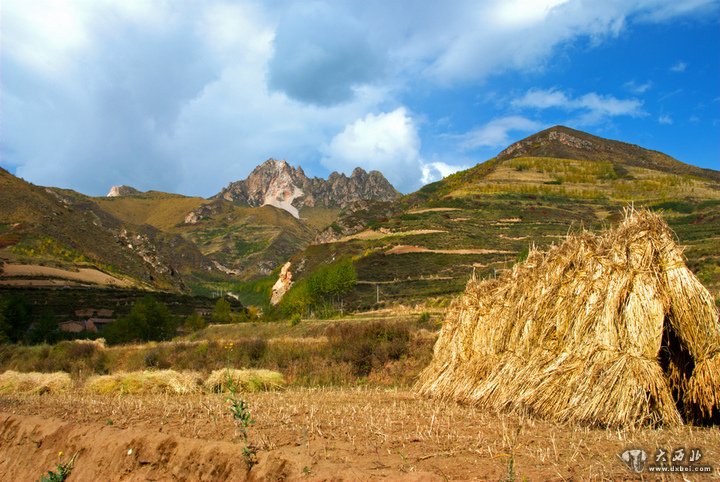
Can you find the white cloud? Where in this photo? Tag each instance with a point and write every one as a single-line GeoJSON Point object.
{"type": "Point", "coordinates": [636, 88]}
{"type": "Point", "coordinates": [543, 99]}
{"type": "Point", "coordinates": [434, 171]}
{"type": "Point", "coordinates": [679, 67]}
{"type": "Point", "coordinates": [660, 11]}
{"type": "Point", "coordinates": [665, 119]}
{"type": "Point", "coordinates": [593, 107]}
{"type": "Point", "coordinates": [237, 33]}
{"type": "Point", "coordinates": [495, 133]}
{"type": "Point", "coordinates": [44, 35]}
{"type": "Point", "coordinates": [174, 95]}
{"type": "Point", "coordinates": [388, 142]}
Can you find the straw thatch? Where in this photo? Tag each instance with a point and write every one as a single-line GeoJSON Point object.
{"type": "Point", "coordinates": [609, 330]}
{"type": "Point", "coordinates": [34, 382]}
{"type": "Point", "coordinates": [145, 382]}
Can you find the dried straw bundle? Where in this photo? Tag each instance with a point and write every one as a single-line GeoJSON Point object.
{"type": "Point", "coordinates": [610, 330]}
{"type": "Point", "coordinates": [147, 381]}
{"type": "Point", "coordinates": [34, 382]}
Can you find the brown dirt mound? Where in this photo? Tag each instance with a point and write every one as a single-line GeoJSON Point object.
{"type": "Point", "coordinates": [313, 434]}
{"type": "Point", "coordinates": [33, 445]}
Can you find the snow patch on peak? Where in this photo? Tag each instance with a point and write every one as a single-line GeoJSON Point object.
{"type": "Point", "coordinates": [284, 200]}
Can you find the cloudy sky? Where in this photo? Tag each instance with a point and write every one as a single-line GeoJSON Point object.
{"type": "Point", "coordinates": [188, 95]}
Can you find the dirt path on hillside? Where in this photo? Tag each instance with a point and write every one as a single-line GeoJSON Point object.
{"type": "Point", "coordinates": [371, 234]}
{"type": "Point", "coordinates": [432, 210]}
{"type": "Point", "coordinates": [86, 275]}
{"type": "Point", "coordinates": [404, 249]}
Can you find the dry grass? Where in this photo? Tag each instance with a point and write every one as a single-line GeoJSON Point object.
{"type": "Point", "coordinates": [247, 380]}
{"type": "Point", "coordinates": [602, 330]}
{"type": "Point", "coordinates": [156, 381]}
{"type": "Point", "coordinates": [34, 382]}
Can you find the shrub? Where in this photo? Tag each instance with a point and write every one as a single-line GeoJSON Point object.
{"type": "Point", "coordinates": [248, 380]}
{"type": "Point", "coordinates": [194, 322]}
{"type": "Point", "coordinates": [368, 346]}
{"type": "Point", "coordinates": [74, 357]}
{"type": "Point", "coordinates": [154, 359]}
{"type": "Point", "coordinates": [222, 311]}
{"type": "Point", "coordinates": [295, 319]}
{"type": "Point", "coordinates": [255, 348]}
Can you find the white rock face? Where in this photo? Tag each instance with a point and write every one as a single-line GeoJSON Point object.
{"type": "Point", "coordinates": [192, 218]}
{"type": "Point", "coordinates": [282, 285]}
{"type": "Point", "coordinates": [280, 198]}
{"type": "Point", "coordinates": [117, 191]}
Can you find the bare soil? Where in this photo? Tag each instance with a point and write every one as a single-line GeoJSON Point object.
{"type": "Point", "coordinates": [84, 275]}
{"type": "Point", "coordinates": [432, 210]}
{"type": "Point", "coordinates": [314, 434]}
{"type": "Point", "coordinates": [371, 234]}
{"type": "Point", "coordinates": [404, 249]}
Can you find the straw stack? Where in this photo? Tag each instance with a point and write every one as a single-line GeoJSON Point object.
{"type": "Point", "coordinates": [609, 330]}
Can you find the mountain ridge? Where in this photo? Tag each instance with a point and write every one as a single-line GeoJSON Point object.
{"type": "Point", "coordinates": [418, 246]}
{"type": "Point", "coordinates": [426, 244]}
{"type": "Point", "coordinates": [567, 143]}
{"type": "Point", "coordinates": [65, 228]}
{"type": "Point", "coordinates": [277, 183]}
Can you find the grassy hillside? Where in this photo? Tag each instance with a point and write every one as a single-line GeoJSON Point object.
{"type": "Point", "coordinates": [161, 210]}
{"type": "Point", "coordinates": [484, 219]}
{"type": "Point", "coordinates": [246, 242]}
{"type": "Point", "coordinates": [62, 228]}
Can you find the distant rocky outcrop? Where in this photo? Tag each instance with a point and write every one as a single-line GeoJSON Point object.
{"type": "Point", "coordinates": [282, 285]}
{"type": "Point", "coordinates": [277, 183]}
{"type": "Point", "coordinates": [117, 191]}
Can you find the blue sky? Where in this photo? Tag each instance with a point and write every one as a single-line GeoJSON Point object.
{"type": "Point", "coordinates": [186, 96]}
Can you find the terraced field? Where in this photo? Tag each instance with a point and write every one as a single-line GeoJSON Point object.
{"type": "Point", "coordinates": [485, 219]}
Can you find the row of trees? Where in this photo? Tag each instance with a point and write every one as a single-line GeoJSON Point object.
{"type": "Point", "coordinates": [18, 323]}
{"type": "Point", "coordinates": [148, 320]}
{"type": "Point", "coordinates": [321, 292]}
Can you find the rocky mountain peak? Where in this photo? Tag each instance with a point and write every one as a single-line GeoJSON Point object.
{"type": "Point", "coordinates": [117, 191]}
{"type": "Point", "coordinates": [358, 172]}
{"type": "Point", "coordinates": [556, 138]}
{"type": "Point", "coordinates": [279, 184]}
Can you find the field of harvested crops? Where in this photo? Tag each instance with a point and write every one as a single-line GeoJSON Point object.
{"type": "Point", "coordinates": [311, 434]}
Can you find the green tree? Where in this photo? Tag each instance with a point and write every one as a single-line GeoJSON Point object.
{"type": "Point", "coordinates": [15, 318]}
{"type": "Point", "coordinates": [44, 330]}
{"type": "Point", "coordinates": [4, 325]}
{"type": "Point", "coordinates": [148, 320]}
{"type": "Point", "coordinates": [321, 290]}
{"type": "Point", "coordinates": [330, 282]}
{"type": "Point", "coordinates": [221, 312]}
{"type": "Point", "coordinates": [194, 322]}
{"type": "Point", "coordinates": [342, 278]}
